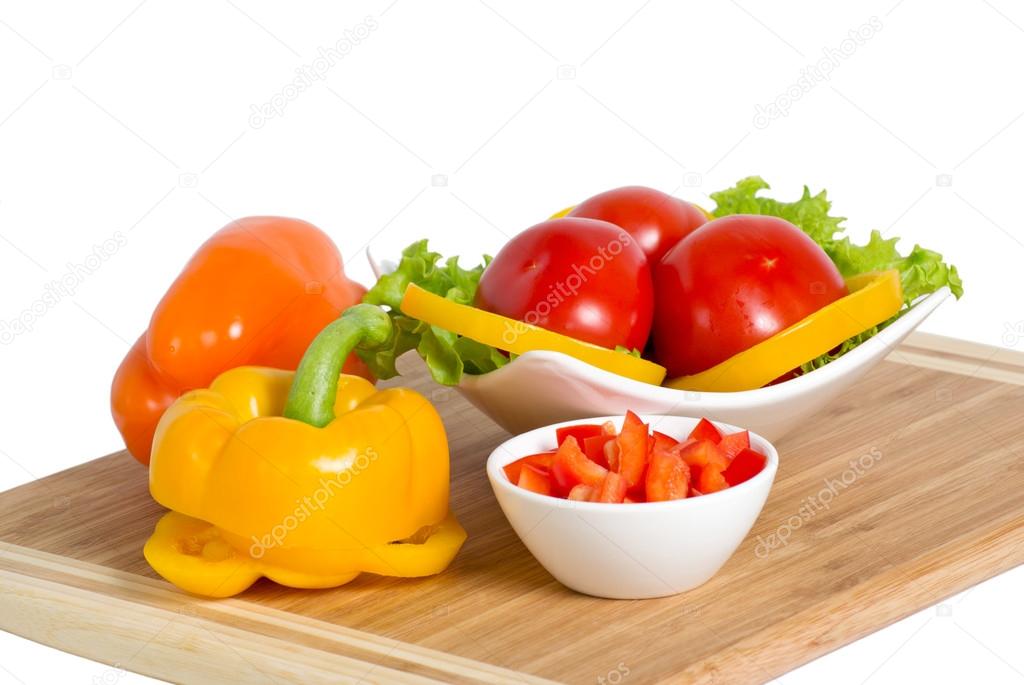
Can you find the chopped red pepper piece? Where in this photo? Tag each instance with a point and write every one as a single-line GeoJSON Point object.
{"type": "Point", "coordinates": [593, 447]}
{"type": "Point", "coordinates": [632, 442]}
{"type": "Point", "coordinates": [734, 443]}
{"type": "Point", "coordinates": [613, 489]}
{"type": "Point", "coordinates": [705, 430]}
{"type": "Point", "coordinates": [534, 479]}
{"type": "Point", "coordinates": [581, 432]}
{"type": "Point", "coordinates": [660, 441]}
{"type": "Point", "coordinates": [581, 493]}
{"type": "Point", "coordinates": [668, 477]}
{"type": "Point", "coordinates": [611, 454]}
{"type": "Point", "coordinates": [745, 466]}
{"type": "Point", "coordinates": [542, 461]}
{"type": "Point", "coordinates": [701, 453]}
{"type": "Point", "coordinates": [711, 480]}
{"type": "Point", "coordinates": [571, 467]}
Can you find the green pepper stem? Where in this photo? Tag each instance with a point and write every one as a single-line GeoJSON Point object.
{"type": "Point", "coordinates": [315, 386]}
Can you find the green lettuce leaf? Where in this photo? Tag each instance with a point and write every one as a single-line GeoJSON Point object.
{"type": "Point", "coordinates": [446, 354]}
{"type": "Point", "coordinates": [921, 272]}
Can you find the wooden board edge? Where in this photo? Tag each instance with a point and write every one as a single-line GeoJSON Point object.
{"type": "Point", "coordinates": [64, 603]}
{"type": "Point", "coordinates": [867, 608]}
{"type": "Point", "coordinates": [961, 357]}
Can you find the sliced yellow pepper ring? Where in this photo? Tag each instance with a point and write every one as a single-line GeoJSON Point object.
{"type": "Point", "coordinates": [196, 557]}
{"type": "Point", "coordinates": [519, 337]}
{"type": "Point", "coordinates": [873, 298]}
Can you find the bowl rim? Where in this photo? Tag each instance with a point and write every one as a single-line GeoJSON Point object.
{"type": "Point", "coordinates": [501, 456]}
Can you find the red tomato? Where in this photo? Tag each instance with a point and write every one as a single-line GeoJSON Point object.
{"type": "Point", "coordinates": [655, 220]}
{"type": "Point", "coordinates": [733, 283]}
{"type": "Point", "coordinates": [581, 277]}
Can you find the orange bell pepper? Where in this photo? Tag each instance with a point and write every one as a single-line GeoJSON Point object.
{"type": "Point", "coordinates": [256, 293]}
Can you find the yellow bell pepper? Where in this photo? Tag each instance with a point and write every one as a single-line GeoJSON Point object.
{"type": "Point", "coordinates": [307, 478]}
{"type": "Point", "coordinates": [873, 299]}
{"type": "Point", "coordinates": [519, 337]}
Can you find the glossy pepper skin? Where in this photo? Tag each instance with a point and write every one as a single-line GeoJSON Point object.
{"type": "Point", "coordinates": [255, 293]}
{"type": "Point", "coordinates": [256, 494]}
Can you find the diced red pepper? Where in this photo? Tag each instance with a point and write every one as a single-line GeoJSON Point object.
{"type": "Point", "coordinates": [611, 454]}
{"type": "Point", "coordinates": [734, 443]}
{"type": "Point", "coordinates": [581, 432]}
{"type": "Point", "coordinates": [701, 453]}
{"type": "Point", "coordinates": [695, 474]}
{"type": "Point", "coordinates": [571, 467]}
{"type": "Point", "coordinates": [711, 480]}
{"type": "Point", "coordinates": [539, 460]}
{"type": "Point", "coordinates": [660, 441]}
{"type": "Point", "coordinates": [745, 466]}
{"type": "Point", "coordinates": [593, 447]}
{"type": "Point", "coordinates": [632, 442]}
{"type": "Point", "coordinates": [581, 493]}
{"type": "Point", "coordinates": [705, 430]}
{"type": "Point", "coordinates": [613, 490]}
{"type": "Point", "coordinates": [534, 479]}
{"type": "Point", "coordinates": [668, 477]}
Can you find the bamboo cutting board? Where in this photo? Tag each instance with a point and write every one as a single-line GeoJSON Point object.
{"type": "Point", "coordinates": [940, 508]}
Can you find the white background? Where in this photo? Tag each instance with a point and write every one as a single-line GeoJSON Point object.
{"type": "Point", "coordinates": [467, 122]}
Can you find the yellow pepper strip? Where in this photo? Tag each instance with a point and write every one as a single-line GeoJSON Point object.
{"type": "Point", "coordinates": [519, 337]}
{"type": "Point", "coordinates": [873, 298]}
{"type": "Point", "coordinates": [256, 494]}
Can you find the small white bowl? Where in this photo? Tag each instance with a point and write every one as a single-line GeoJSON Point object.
{"type": "Point", "coordinates": [540, 387]}
{"type": "Point", "coordinates": [630, 551]}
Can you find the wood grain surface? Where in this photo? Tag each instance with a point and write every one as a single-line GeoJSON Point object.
{"type": "Point", "coordinates": [932, 503]}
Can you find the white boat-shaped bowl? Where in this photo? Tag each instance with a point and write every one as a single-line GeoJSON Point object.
{"type": "Point", "coordinates": [541, 388]}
